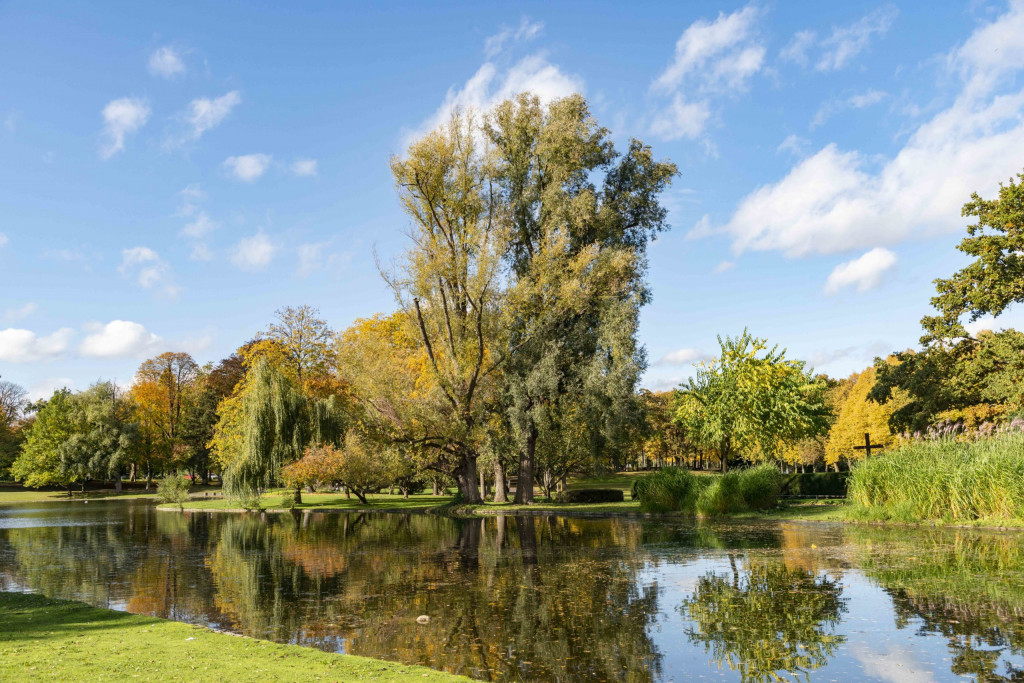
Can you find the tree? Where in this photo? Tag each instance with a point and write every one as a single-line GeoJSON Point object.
{"type": "Point", "coordinates": [995, 279]}
{"type": "Point", "coordinates": [39, 463]}
{"type": "Point", "coordinates": [579, 222]}
{"type": "Point", "coordinates": [198, 424]}
{"type": "Point", "coordinates": [105, 436]}
{"type": "Point", "coordinates": [306, 340]}
{"type": "Point", "coordinates": [13, 401]}
{"type": "Point", "coordinates": [856, 415]}
{"type": "Point", "coordinates": [163, 389]}
{"type": "Point", "coordinates": [951, 376]}
{"type": "Point", "coordinates": [274, 422]}
{"type": "Point", "coordinates": [449, 288]}
{"type": "Point", "coordinates": [750, 401]}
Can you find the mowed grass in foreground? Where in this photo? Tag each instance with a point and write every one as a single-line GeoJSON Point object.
{"type": "Point", "coordinates": [46, 639]}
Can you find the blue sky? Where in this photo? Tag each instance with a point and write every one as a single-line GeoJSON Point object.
{"type": "Point", "coordinates": [171, 174]}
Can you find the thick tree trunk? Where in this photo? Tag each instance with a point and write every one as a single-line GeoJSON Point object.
{"type": "Point", "coordinates": [117, 484]}
{"type": "Point", "coordinates": [433, 483]}
{"type": "Point", "coordinates": [499, 482]}
{"type": "Point", "coordinates": [483, 485]}
{"type": "Point", "coordinates": [524, 487]}
{"type": "Point", "coordinates": [298, 496]}
{"type": "Point", "coordinates": [149, 476]}
{"type": "Point", "coordinates": [466, 477]}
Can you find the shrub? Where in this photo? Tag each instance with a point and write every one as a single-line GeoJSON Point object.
{"type": "Point", "coordinates": [173, 489]}
{"type": "Point", "coordinates": [944, 479]}
{"type": "Point", "coordinates": [670, 489]}
{"type": "Point", "coordinates": [591, 496]}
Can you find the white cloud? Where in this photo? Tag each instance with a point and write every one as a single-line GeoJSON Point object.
{"type": "Point", "coordinates": [681, 119]}
{"type": "Point", "coordinates": [20, 312]}
{"type": "Point", "coordinates": [253, 253]}
{"type": "Point", "coordinates": [200, 252]}
{"type": "Point", "coordinates": [864, 273]}
{"type": "Point", "coordinates": [527, 30]}
{"type": "Point", "coordinates": [122, 118]}
{"type": "Point", "coordinates": [304, 167]}
{"type": "Point", "coordinates": [24, 346]}
{"type": "Point", "coordinates": [796, 50]}
{"type": "Point", "coordinates": [200, 226]}
{"type": "Point", "coordinates": [201, 115]}
{"type": "Point", "coordinates": [725, 266]}
{"type": "Point", "coordinates": [3, 240]}
{"type": "Point", "coordinates": [490, 85]}
{"type": "Point", "coordinates": [190, 198]}
{"type": "Point", "coordinates": [795, 145]}
{"type": "Point", "coordinates": [119, 339]}
{"type": "Point", "coordinates": [682, 357]}
{"type": "Point", "coordinates": [838, 200]}
{"type": "Point", "coordinates": [858, 101]}
{"type": "Point", "coordinates": [166, 62]}
{"type": "Point", "coordinates": [44, 388]}
{"type": "Point", "coordinates": [712, 58]}
{"type": "Point", "coordinates": [248, 167]}
{"type": "Point", "coordinates": [717, 50]}
{"type": "Point", "coordinates": [148, 269]}
{"type": "Point", "coordinates": [846, 42]}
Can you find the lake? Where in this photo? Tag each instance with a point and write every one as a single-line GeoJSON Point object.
{"type": "Point", "coordinates": [548, 598]}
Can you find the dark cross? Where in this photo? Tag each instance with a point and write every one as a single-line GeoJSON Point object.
{"type": "Point", "coordinates": [868, 446]}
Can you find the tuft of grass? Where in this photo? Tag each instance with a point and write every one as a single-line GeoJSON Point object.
{"type": "Point", "coordinates": [943, 480]}
{"type": "Point", "coordinates": [42, 638]}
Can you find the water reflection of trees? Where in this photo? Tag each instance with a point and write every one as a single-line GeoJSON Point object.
{"type": "Point", "coordinates": [763, 617]}
{"type": "Point", "coordinates": [963, 585]}
{"type": "Point", "coordinates": [518, 598]}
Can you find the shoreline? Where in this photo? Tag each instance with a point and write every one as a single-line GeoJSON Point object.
{"type": "Point", "coordinates": [818, 513]}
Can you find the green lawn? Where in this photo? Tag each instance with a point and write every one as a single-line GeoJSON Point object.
{"type": "Point", "coordinates": [34, 496]}
{"type": "Point", "coordinates": [45, 639]}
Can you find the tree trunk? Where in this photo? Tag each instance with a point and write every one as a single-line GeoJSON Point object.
{"type": "Point", "coordinates": [149, 476]}
{"type": "Point", "coordinates": [483, 485]}
{"type": "Point", "coordinates": [466, 477]}
{"type": "Point", "coordinates": [131, 476]}
{"type": "Point", "coordinates": [499, 482]}
{"type": "Point", "coordinates": [361, 495]}
{"type": "Point", "coordinates": [524, 487]}
{"type": "Point", "coordinates": [298, 496]}
{"type": "Point", "coordinates": [433, 483]}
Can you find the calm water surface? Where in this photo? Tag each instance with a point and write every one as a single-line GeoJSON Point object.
{"type": "Point", "coordinates": [551, 598]}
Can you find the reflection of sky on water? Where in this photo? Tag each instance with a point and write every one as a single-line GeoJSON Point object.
{"type": "Point", "coordinates": [545, 599]}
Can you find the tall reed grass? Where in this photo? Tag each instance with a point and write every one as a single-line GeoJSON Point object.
{"type": "Point", "coordinates": [944, 480]}
{"type": "Point", "coordinates": [677, 490]}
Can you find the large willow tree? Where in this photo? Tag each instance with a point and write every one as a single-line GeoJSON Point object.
{"type": "Point", "coordinates": [275, 423]}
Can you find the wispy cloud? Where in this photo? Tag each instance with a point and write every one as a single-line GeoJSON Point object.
{"type": "Point", "coordinates": [837, 200]}
{"type": "Point", "coordinates": [202, 114]}
{"type": "Point", "coordinates": [712, 58]}
{"type": "Point", "coordinates": [147, 268]}
{"type": "Point", "coordinates": [685, 356]}
{"type": "Point", "coordinates": [254, 252]}
{"type": "Point", "coordinates": [863, 273]}
{"type": "Point", "coordinates": [166, 62]}
{"type": "Point", "coordinates": [837, 49]}
{"type": "Point", "coordinates": [857, 101]}
{"type": "Point", "coordinates": [122, 118]}
{"type": "Point", "coordinates": [21, 312]}
{"type": "Point", "coordinates": [305, 167]}
{"type": "Point", "coordinates": [248, 167]}
{"type": "Point", "coordinates": [527, 30]}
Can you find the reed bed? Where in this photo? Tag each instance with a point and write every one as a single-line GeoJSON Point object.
{"type": "Point", "coordinates": [944, 480]}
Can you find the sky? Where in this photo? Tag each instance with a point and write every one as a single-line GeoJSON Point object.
{"type": "Point", "coordinates": [173, 173]}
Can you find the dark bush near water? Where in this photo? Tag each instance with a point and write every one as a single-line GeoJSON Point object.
{"type": "Point", "coordinates": [591, 496]}
{"type": "Point", "coordinates": [816, 484]}
{"type": "Point", "coordinates": [677, 490]}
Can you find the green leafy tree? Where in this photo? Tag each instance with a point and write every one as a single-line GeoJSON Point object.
{"type": "Point", "coordinates": [13, 402]}
{"type": "Point", "coordinates": [580, 217]}
{"type": "Point", "coordinates": [39, 463]}
{"type": "Point", "coordinates": [995, 279]}
{"type": "Point", "coordinates": [306, 340]}
{"type": "Point", "coordinates": [750, 401]}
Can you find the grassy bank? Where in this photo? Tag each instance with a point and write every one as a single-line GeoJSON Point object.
{"type": "Point", "coordinates": [20, 497]}
{"type": "Point", "coordinates": [45, 639]}
{"type": "Point", "coordinates": [943, 481]}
